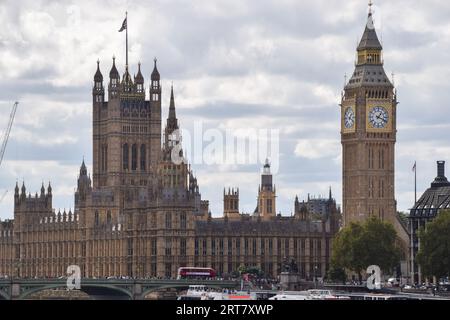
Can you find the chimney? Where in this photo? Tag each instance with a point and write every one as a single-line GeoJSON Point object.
{"type": "Point", "coordinates": [441, 168]}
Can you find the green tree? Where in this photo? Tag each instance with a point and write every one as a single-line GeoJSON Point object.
{"type": "Point", "coordinates": [360, 245]}
{"type": "Point", "coordinates": [255, 271]}
{"type": "Point", "coordinates": [434, 252]}
{"type": "Point", "coordinates": [337, 274]}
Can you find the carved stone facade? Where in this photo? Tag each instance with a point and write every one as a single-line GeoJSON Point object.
{"type": "Point", "coordinates": [368, 113]}
{"type": "Point", "coordinates": [142, 214]}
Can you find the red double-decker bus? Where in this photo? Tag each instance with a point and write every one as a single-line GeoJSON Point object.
{"type": "Point", "coordinates": [195, 273]}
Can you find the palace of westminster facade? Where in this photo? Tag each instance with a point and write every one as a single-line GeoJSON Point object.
{"type": "Point", "coordinates": [142, 214]}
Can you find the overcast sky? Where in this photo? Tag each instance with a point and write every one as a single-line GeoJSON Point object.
{"type": "Point", "coordinates": [235, 64]}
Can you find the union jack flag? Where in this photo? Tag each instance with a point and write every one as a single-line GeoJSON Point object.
{"type": "Point", "coordinates": [124, 25]}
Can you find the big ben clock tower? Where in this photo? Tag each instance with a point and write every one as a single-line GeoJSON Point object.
{"type": "Point", "coordinates": [368, 135]}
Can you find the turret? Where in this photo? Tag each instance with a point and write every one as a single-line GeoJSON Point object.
{"type": "Point", "coordinates": [155, 86]}
{"type": "Point", "coordinates": [98, 91]}
{"type": "Point", "coordinates": [42, 190]}
{"type": "Point", "coordinates": [231, 203]}
{"type": "Point", "coordinates": [84, 184]}
{"type": "Point", "coordinates": [127, 83]}
{"type": "Point", "coordinates": [266, 194]}
{"type": "Point", "coordinates": [23, 193]}
{"type": "Point", "coordinates": [114, 81]}
{"type": "Point", "coordinates": [172, 136]}
{"type": "Point", "coordinates": [139, 80]}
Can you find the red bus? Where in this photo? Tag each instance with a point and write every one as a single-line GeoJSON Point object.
{"type": "Point", "coordinates": [194, 272]}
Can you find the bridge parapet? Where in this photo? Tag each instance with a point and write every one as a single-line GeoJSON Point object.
{"type": "Point", "coordinates": [133, 289]}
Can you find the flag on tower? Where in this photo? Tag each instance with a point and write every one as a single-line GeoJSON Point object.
{"type": "Point", "coordinates": [414, 167]}
{"type": "Point", "coordinates": [124, 25]}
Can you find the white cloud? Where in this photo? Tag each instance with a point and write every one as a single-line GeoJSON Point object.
{"type": "Point", "coordinates": [317, 149]}
{"type": "Point", "coordinates": [287, 56]}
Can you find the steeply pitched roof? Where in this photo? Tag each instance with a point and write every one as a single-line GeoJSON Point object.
{"type": "Point", "coordinates": [369, 39]}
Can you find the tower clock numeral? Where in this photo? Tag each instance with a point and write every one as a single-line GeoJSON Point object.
{"type": "Point", "coordinates": [378, 117]}
{"type": "Point", "coordinates": [349, 118]}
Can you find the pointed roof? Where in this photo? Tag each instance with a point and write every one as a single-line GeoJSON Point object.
{"type": "Point", "coordinates": [155, 73]}
{"type": "Point", "coordinates": [172, 121]}
{"type": "Point", "coordinates": [172, 112]}
{"type": "Point", "coordinates": [369, 39]}
{"type": "Point", "coordinates": [114, 73]}
{"type": "Point", "coordinates": [127, 77]}
{"type": "Point", "coordinates": [98, 77]}
{"type": "Point", "coordinates": [139, 78]}
{"type": "Point", "coordinates": [83, 169]}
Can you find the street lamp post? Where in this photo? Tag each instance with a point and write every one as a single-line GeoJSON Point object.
{"type": "Point", "coordinates": [315, 278]}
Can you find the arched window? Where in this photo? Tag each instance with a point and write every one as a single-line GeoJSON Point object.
{"type": "Point", "coordinates": [96, 218]}
{"type": "Point", "coordinates": [133, 157]}
{"type": "Point", "coordinates": [168, 220]}
{"type": "Point", "coordinates": [143, 157]}
{"type": "Point", "coordinates": [125, 156]}
{"type": "Point", "coordinates": [183, 220]}
{"type": "Point", "coordinates": [108, 217]}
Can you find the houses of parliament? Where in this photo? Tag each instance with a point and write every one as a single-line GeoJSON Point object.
{"type": "Point", "coordinates": [142, 215]}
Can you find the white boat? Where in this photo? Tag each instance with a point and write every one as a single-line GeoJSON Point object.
{"type": "Point", "coordinates": [315, 294]}
{"type": "Point", "coordinates": [290, 296]}
{"type": "Point", "coordinates": [200, 292]}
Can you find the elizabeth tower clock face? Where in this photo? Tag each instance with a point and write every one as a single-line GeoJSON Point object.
{"type": "Point", "coordinates": [349, 118]}
{"type": "Point", "coordinates": [378, 117]}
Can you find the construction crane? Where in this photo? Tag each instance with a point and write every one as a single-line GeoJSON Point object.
{"type": "Point", "coordinates": [8, 131]}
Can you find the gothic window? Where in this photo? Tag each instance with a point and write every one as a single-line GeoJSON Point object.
{"type": "Point", "coordinates": [183, 220]}
{"type": "Point", "coordinates": [254, 247]}
{"type": "Point", "coordinates": [168, 246]}
{"type": "Point", "coordinates": [133, 157]}
{"type": "Point", "coordinates": [204, 247]}
{"type": "Point", "coordinates": [130, 247]}
{"type": "Point", "coordinates": [125, 156]}
{"type": "Point", "coordinates": [269, 205]}
{"type": "Point", "coordinates": [155, 97]}
{"type": "Point", "coordinates": [96, 218]}
{"type": "Point", "coordinates": [139, 88]}
{"type": "Point", "coordinates": [183, 247]}
{"type": "Point", "coordinates": [213, 247]}
{"type": "Point", "coordinates": [143, 157]}
{"type": "Point", "coordinates": [221, 246]}
{"type": "Point", "coordinates": [153, 247]}
{"type": "Point", "coordinates": [168, 220]}
{"type": "Point", "coordinates": [108, 217]}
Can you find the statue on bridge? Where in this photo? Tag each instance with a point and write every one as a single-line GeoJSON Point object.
{"type": "Point", "coordinates": [290, 267]}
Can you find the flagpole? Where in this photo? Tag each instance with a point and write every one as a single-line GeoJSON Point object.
{"type": "Point", "coordinates": [415, 182]}
{"type": "Point", "coordinates": [126, 17]}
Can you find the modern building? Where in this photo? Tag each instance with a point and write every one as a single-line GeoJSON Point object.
{"type": "Point", "coordinates": [434, 200]}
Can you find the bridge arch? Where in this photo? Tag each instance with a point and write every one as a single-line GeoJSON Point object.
{"type": "Point", "coordinates": [85, 289]}
{"type": "Point", "coordinates": [4, 295]}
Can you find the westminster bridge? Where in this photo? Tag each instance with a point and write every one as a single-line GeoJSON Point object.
{"type": "Point", "coordinates": [18, 289]}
